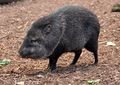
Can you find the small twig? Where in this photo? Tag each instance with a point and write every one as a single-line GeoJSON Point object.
{"type": "Point", "coordinates": [102, 42]}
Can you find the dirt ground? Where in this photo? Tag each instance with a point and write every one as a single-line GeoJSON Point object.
{"type": "Point", "coordinates": [16, 18]}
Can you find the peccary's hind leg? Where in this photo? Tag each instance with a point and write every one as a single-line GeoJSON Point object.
{"type": "Point", "coordinates": [77, 55]}
{"type": "Point", "coordinates": [96, 57]}
{"type": "Point", "coordinates": [92, 46]}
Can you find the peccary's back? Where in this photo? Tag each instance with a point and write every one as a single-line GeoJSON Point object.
{"type": "Point", "coordinates": [81, 25]}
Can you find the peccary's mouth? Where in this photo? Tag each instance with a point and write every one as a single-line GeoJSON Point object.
{"type": "Point", "coordinates": [34, 57]}
{"type": "Point", "coordinates": [33, 53]}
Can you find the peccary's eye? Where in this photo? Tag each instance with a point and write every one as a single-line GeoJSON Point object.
{"type": "Point", "coordinates": [47, 29]}
{"type": "Point", "coordinates": [36, 41]}
{"type": "Point", "coordinates": [49, 26]}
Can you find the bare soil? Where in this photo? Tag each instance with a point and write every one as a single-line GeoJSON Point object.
{"type": "Point", "coordinates": [15, 20]}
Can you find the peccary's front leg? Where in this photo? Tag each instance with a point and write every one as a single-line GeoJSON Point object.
{"type": "Point", "coordinates": [54, 57]}
{"type": "Point", "coordinates": [52, 63]}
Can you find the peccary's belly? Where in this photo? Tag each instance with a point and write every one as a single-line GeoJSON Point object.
{"type": "Point", "coordinates": [73, 44]}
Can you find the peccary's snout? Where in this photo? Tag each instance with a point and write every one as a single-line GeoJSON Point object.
{"type": "Point", "coordinates": [24, 52]}
{"type": "Point", "coordinates": [32, 52]}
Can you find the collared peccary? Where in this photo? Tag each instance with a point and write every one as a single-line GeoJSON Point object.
{"type": "Point", "coordinates": [69, 29]}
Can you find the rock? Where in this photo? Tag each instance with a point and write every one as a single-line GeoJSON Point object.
{"type": "Point", "coordinates": [20, 83]}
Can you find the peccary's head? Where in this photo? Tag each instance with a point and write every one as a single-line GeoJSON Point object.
{"type": "Point", "coordinates": [42, 38]}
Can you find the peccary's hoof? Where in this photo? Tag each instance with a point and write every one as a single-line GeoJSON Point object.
{"type": "Point", "coordinates": [94, 64]}
{"type": "Point", "coordinates": [54, 71]}
{"type": "Point", "coordinates": [72, 64]}
{"type": "Point", "coordinates": [51, 70]}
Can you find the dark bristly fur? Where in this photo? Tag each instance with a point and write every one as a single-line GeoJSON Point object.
{"type": "Point", "coordinates": [2, 2]}
{"type": "Point", "coordinates": [69, 29]}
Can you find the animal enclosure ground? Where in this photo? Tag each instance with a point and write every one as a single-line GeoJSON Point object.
{"type": "Point", "coordinates": [16, 18]}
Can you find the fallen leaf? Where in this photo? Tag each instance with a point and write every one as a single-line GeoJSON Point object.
{"type": "Point", "coordinates": [92, 82]}
{"type": "Point", "coordinates": [116, 8]}
{"type": "Point", "coordinates": [4, 62]}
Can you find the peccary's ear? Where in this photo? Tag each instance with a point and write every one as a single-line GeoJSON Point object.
{"type": "Point", "coordinates": [54, 38]}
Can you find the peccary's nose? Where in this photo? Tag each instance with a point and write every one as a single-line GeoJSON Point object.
{"type": "Point", "coordinates": [24, 52]}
